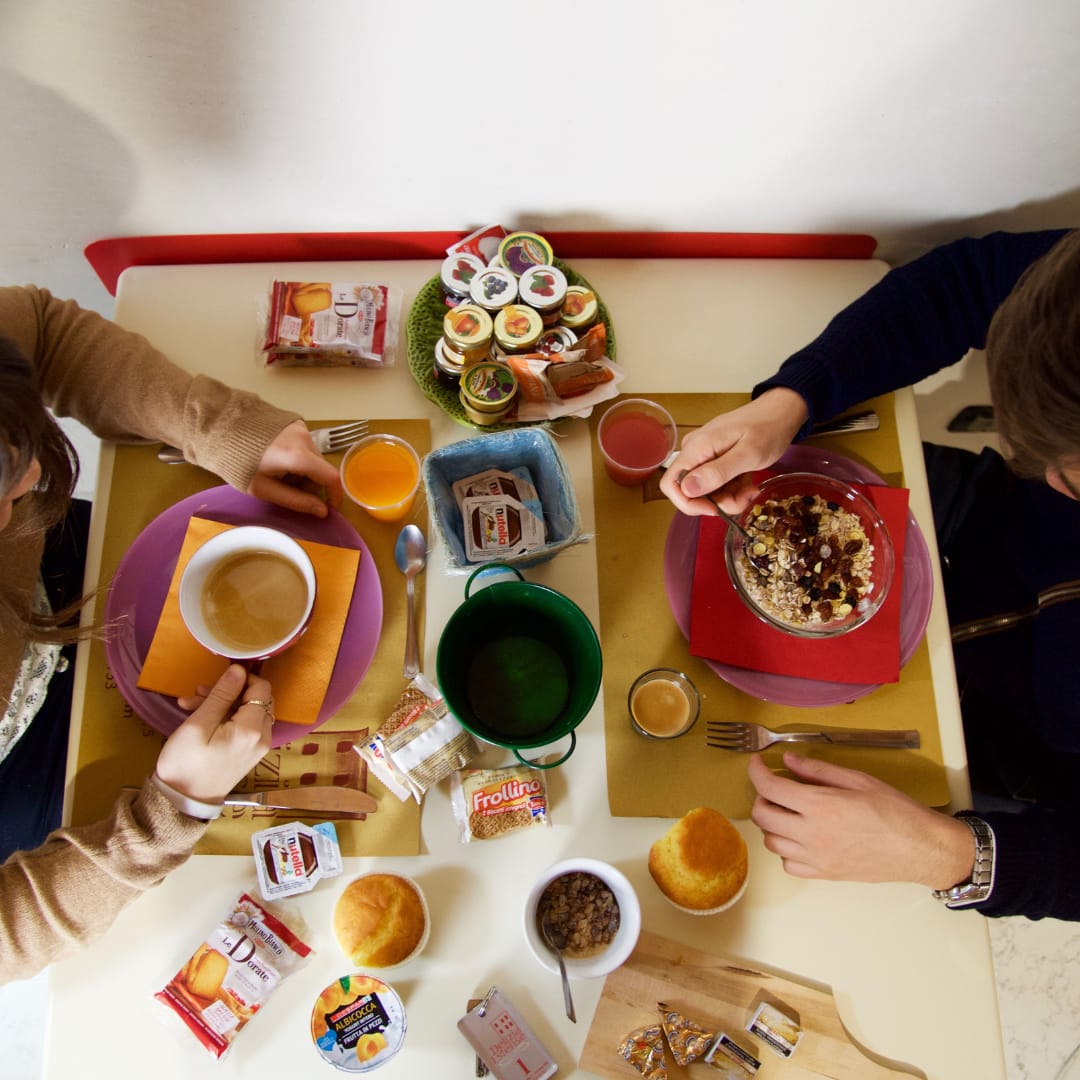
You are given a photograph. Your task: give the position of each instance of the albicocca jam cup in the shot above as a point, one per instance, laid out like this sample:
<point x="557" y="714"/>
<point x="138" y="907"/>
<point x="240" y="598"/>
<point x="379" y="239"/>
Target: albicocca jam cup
<point x="358" y="1023"/>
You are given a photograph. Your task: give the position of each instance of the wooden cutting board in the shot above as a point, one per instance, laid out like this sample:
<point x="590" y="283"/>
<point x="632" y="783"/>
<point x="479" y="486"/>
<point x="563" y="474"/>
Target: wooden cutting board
<point x="721" y="996"/>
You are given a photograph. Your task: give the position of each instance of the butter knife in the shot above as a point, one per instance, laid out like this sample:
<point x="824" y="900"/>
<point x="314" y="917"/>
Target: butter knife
<point x="306" y="800"/>
<point x="313" y="800"/>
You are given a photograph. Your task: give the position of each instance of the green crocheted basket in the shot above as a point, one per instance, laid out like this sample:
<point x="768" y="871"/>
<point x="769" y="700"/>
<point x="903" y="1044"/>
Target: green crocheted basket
<point x="424" y="327"/>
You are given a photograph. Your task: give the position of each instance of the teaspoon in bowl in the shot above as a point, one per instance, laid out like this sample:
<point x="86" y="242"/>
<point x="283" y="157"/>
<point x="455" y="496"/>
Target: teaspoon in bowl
<point x="556" y="941"/>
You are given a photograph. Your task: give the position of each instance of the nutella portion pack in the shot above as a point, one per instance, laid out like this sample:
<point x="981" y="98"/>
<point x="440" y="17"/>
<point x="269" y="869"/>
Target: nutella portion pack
<point x="501" y="512"/>
<point x="294" y="858"/>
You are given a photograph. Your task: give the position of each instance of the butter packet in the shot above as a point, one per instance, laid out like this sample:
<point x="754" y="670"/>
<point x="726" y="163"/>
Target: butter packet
<point x="778" y="1031"/>
<point x="730" y="1060"/>
<point x="233" y="972"/>
<point x="294" y="858"/>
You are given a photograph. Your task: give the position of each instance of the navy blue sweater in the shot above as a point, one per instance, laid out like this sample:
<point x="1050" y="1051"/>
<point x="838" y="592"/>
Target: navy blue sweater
<point x="918" y="319"/>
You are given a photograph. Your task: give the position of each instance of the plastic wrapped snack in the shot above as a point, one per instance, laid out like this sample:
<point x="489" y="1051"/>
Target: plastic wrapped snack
<point x="419" y="744"/>
<point x="332" y="324"/>
<point x="232" y="974"/>
<point x="493" y="802"/>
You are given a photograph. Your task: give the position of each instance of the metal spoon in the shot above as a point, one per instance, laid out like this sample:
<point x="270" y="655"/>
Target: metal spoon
<point x="410" y="554"/>
<point x="730" y="520"/>
<point x="556" y="943"/>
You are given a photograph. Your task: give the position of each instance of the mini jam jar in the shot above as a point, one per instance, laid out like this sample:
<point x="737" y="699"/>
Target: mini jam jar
<point x="488" y="391"/>
<point x="543" y="288"/>
<point x="580" y="308"/>
<point x="520" y="250"/>
<point x="493" y="289"/>
<point x="447" y="368"/>
<point x="467" y="330"/>
<point x="456" y="276"/>
<point x="556" y="340"/>
<point x="517" y="328"/>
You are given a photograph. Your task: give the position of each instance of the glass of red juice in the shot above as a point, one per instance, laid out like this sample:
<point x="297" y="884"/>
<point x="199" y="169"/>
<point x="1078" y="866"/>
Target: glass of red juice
<point x="635" y="436"/>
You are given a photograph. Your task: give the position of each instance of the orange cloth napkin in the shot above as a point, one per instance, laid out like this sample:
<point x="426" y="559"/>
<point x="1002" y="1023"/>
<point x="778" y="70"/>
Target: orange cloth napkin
<point x="176" y="663"/>
<point x="723" y="628"/>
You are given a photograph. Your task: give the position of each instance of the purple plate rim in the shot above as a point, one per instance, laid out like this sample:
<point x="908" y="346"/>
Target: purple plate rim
<point x="146" y="568"/>
<point x="680" y="550"/>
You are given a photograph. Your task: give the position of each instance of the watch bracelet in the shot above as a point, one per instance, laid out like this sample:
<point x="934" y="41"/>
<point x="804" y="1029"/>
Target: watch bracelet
<point x="981" y="883"/>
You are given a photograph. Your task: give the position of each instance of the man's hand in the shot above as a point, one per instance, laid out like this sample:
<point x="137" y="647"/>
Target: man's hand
<point x="719" y="456"/>
<point x="844" y="825"/>
<point x="293" y="454"/>
<point x="222" y="740"/>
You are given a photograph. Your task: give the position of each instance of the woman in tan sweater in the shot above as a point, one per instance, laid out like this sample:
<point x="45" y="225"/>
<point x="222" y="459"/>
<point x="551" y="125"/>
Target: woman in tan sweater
<point x="68" y="888"/>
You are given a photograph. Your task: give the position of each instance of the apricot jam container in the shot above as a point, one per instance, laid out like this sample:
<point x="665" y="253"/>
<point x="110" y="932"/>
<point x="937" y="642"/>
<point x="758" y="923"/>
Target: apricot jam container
<point x="517" y="328"/>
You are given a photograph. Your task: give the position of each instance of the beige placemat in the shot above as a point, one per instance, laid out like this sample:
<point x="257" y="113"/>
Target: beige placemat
<point x="665" y="779"/>
<point x="117" y="749"/>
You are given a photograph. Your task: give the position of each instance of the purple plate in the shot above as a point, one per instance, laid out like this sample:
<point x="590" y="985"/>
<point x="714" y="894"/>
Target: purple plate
<point x="916" y="593"/>
<point x="141" y="584"/>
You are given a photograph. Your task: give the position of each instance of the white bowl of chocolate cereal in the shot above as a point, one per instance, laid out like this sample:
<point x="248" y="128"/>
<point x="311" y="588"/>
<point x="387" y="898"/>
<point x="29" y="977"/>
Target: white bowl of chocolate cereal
<point x="590" y="904"/>
<point x="819" y="561"/>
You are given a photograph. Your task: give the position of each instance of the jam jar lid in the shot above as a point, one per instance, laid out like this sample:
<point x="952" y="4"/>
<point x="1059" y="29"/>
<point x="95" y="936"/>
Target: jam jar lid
<point x="467" y="327"/>
<point x="489" y="386"/>
<point x="580" y="307"/>
<point x="517" y="327"/>
<point x="520" y="250"/>
<point x="542" y="287"/>
<point x="458" y="271"/>
<point x="494" y="288"/>
<point x="555" y="340"/>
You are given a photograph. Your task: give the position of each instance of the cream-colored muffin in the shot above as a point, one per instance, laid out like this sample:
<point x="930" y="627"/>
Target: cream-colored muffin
<point x="700" y="863"/>
<point x="380" y="920"/>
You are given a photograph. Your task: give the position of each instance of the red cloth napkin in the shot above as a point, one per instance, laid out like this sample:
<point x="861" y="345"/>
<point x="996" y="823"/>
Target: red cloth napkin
<point x="723" y="628"/>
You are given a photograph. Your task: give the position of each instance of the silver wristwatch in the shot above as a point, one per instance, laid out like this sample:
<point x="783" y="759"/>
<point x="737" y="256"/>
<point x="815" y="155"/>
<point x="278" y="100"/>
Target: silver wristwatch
<point x="981" y="883"/>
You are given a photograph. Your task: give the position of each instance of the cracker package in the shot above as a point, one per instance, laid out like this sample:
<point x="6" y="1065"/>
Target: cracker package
<point x="331" y="324"/>
<point x="232" y="974"/>
<point x="493" y="802"/>
<point x="419" y="744"/>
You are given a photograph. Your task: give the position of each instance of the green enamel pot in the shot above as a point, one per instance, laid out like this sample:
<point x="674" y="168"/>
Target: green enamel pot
<point x="519" y="664"/>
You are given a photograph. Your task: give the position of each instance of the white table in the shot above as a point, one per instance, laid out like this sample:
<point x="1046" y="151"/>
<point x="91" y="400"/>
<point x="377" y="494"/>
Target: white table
<point x="914" y="982"/>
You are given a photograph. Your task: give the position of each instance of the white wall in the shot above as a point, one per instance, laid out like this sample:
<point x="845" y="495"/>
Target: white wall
<point x="915" y="121"/>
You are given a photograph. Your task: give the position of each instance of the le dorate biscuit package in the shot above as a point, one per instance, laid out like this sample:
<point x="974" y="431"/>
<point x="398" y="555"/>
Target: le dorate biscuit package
<point x="331" y="324"/>
<point x="294" y="858"/>
<point x="492" y="802"/>
<point x="233" y="972"/>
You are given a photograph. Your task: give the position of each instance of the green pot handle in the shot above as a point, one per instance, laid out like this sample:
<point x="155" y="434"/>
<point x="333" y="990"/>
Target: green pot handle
<point x="491" y="566"/>
<point x="551" y="765"/>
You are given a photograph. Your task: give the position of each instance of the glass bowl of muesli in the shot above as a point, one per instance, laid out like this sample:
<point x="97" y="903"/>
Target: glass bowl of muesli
<point x="821" y="560"/>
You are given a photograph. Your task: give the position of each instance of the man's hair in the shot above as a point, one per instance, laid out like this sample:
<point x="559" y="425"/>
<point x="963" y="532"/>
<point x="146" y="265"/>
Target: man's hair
<point x="27" y="431"/>
<point x="1033" y="358"/>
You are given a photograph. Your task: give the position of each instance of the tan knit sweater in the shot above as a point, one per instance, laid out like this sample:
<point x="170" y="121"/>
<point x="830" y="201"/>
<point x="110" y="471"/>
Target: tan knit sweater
<point x="122" y="389"/>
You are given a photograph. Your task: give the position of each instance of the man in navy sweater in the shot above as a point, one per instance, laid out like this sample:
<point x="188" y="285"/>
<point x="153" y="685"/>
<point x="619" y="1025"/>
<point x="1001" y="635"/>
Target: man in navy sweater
<point x="1009" y="538"/>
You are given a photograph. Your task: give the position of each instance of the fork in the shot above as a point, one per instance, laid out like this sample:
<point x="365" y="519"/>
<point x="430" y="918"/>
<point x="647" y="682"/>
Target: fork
<point x="747" y="738"/>
<point x="326" y="440"/>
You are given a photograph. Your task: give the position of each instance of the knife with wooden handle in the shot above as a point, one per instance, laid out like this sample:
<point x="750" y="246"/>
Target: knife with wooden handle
<point x="312" y="800"/>
<point x="307" y="800"/>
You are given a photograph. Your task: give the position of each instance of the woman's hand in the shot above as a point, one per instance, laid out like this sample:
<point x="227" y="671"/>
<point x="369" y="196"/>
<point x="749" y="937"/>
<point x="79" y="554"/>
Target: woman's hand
<point x="293" y="454"/>
<point x="844" y="825"/>
<point x="222" y="740"/>
<point x="719" y="457"/>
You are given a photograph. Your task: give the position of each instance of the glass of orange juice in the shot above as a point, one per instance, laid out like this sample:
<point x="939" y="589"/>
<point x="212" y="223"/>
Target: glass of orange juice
<point x="381" y="474"/>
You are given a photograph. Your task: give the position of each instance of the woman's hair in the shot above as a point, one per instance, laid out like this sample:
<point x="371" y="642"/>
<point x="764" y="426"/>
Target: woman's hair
<point x="1033" y="358"/>
<point x="27" y="431"/>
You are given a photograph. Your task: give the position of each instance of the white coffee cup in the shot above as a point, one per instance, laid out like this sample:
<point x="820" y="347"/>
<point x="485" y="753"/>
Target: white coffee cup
<point x="247" y="593"/>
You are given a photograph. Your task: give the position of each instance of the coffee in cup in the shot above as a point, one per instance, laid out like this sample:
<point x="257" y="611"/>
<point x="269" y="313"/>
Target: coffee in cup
<point x="247" y="593"/>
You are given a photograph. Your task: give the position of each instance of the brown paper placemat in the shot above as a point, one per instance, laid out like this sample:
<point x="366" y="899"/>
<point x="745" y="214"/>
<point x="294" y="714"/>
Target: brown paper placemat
<point x="665" y="779"/>
<point x="117" y="749"/>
